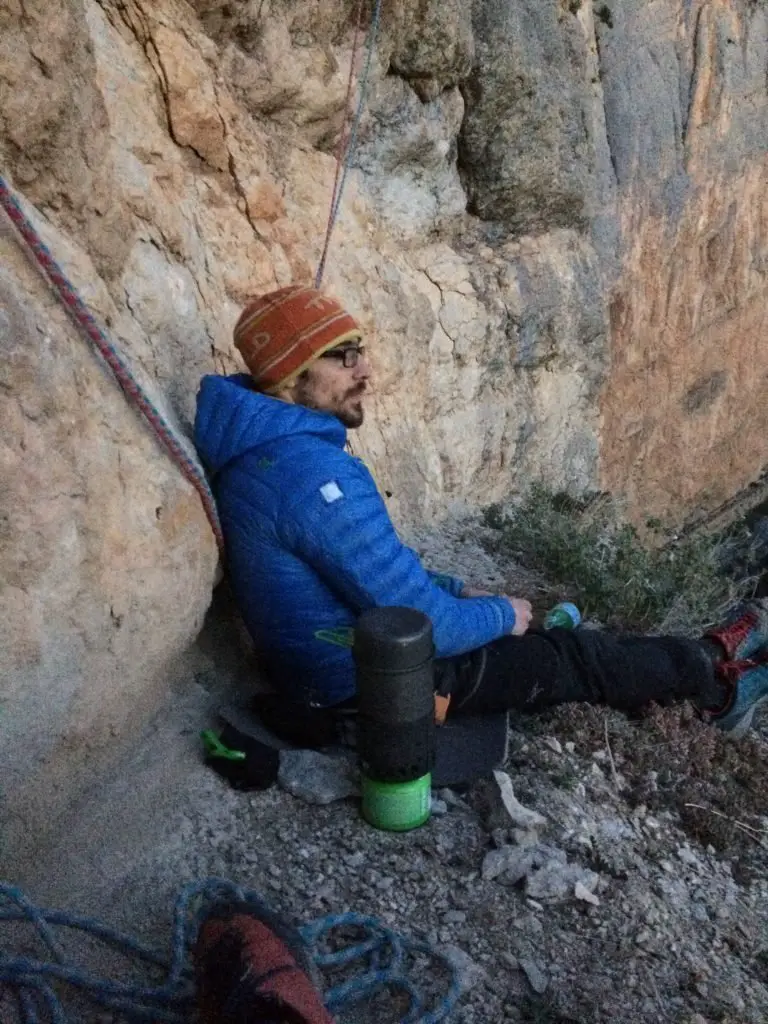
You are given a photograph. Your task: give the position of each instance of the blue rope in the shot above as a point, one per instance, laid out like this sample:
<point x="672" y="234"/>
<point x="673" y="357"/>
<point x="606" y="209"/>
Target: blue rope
<point x="379" y="959"/>
<point x="352" y="146"/>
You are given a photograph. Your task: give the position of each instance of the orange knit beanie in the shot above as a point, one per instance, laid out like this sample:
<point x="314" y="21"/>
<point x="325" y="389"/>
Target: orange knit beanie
<point x="280" y="334"/>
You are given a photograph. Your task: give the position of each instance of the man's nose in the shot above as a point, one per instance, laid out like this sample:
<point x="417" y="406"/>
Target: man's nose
<point x="362" y="370"/>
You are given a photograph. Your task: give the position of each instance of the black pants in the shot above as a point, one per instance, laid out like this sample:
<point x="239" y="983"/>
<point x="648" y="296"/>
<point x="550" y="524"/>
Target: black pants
<point x="541" y="669"/>
<point x="533" y="672"/>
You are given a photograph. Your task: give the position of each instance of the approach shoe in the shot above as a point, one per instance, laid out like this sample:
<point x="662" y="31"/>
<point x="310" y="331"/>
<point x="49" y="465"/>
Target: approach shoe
<point x="749" y="681"/>
<point x="744" y="631"/>
<point x="251" y="967"/>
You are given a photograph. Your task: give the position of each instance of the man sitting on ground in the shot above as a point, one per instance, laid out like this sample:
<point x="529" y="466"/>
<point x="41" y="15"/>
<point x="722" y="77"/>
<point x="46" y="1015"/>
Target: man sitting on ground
<point x="310" y="546"/>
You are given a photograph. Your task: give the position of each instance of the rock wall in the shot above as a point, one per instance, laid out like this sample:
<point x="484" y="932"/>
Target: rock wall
<point x="555" y="235"/>
<point x="684" y="417"/>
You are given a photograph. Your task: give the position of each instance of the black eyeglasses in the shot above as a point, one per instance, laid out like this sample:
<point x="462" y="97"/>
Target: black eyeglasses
<point x="349" y="356"/>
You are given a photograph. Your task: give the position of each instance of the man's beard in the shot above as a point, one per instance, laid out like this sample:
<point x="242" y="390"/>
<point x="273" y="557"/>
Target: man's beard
<point x="350" y="413"/>
<point x="352" y="417"/>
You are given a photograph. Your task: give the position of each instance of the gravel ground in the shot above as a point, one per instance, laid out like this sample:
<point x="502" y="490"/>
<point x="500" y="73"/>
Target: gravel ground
<point x="604" y="911"/>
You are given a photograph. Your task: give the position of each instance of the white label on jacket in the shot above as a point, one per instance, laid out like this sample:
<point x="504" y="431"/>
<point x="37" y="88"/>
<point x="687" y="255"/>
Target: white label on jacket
<point x="331" y="492"/>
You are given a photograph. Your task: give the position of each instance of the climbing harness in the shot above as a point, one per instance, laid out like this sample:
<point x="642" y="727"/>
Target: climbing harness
<point x="378" y="959"/>
<point x="348" y="141"/>
<point x="87" y="324"/>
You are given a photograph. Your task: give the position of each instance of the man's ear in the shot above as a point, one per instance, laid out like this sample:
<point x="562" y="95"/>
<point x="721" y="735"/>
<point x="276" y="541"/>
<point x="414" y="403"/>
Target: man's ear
<point x="290" y="392"/>
<point x="286" y="394"/>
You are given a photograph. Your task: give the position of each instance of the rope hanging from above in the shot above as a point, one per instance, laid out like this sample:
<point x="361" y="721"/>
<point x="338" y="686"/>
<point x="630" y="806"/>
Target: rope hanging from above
<point x="348" y="143"/>
<point x="88" y="326"/>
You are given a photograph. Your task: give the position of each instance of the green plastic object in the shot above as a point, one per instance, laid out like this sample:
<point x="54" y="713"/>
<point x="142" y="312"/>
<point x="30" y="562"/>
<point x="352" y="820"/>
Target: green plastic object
<point x="397" y="806"/>
<point x="215" y="748"/>
<point x="564" y="615"/>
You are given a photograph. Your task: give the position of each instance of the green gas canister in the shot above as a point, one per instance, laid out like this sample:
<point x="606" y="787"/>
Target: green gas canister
<point x="394" y="651"/>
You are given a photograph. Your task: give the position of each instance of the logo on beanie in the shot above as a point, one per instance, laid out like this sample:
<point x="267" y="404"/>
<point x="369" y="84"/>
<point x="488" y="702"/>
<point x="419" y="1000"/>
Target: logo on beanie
<point x="257" y="341"/>
<point x="319" y="301"/>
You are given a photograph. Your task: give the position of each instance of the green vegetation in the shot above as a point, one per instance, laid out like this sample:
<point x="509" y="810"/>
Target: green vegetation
<point x="590" y="554"/>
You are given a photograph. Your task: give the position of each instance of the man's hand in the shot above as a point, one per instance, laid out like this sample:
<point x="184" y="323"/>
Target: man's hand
<point x="523" y="611"/>
<point x="523" y="614"/>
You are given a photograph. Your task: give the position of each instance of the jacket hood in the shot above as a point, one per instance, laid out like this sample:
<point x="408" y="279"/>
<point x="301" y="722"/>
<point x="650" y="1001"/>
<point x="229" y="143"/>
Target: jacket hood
<point x="233" y="419"/>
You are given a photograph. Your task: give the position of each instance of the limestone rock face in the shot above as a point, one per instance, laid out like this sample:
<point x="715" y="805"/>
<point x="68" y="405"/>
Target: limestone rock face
<point x="526" y="145"/>
<point x="435" y="46"/>
<point x="683" y="407"/>
<point x="106" y="557"/>
<point x="555" y="234"/>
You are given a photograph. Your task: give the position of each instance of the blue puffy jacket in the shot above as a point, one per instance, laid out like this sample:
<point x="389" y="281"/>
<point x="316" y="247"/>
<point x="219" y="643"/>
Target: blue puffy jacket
<point x="310" y="544"/>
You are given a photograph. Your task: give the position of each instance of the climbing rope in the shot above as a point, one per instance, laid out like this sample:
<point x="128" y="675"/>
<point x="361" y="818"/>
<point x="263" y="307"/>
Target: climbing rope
<point x="342" y="144"/>
<point x="384" y="955"/>
<point x="348" y="143"/>
<point x="377" y="960"/>
<point x="87" y="324"/>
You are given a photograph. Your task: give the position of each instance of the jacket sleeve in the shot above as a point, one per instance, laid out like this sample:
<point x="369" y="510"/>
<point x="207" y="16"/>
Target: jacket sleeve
<point x="450" y="584"/>
<point x="342" y="529"/>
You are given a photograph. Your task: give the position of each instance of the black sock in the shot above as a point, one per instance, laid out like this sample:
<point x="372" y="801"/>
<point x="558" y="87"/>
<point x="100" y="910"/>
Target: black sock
<point x="714" y="649"/>
<point x="717" y="695"/>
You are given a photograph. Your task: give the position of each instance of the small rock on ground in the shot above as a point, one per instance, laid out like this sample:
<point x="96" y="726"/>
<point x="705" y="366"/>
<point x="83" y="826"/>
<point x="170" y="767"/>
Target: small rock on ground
<point x="316" y="778"/>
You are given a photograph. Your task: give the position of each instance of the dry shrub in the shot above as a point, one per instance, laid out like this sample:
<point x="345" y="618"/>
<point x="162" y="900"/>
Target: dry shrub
<point x="672" y="759"/>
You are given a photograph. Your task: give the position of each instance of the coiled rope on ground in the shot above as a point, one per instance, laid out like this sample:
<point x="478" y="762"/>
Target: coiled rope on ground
<point x="377" y="959"/>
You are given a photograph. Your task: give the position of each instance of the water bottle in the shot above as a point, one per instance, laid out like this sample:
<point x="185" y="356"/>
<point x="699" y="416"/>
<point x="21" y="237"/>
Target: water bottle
<point x="393" y="651"/>
<point x="564" y="615"/>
